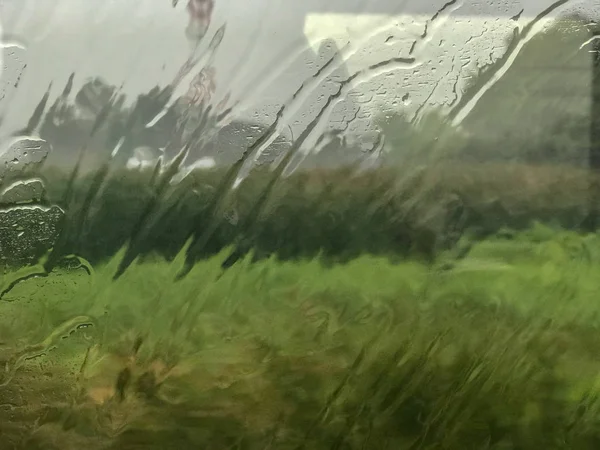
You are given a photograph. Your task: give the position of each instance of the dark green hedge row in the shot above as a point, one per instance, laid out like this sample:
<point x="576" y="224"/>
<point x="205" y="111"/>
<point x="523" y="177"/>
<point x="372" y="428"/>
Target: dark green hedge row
<point x="305" y="215"/>
<point x="336" y="213"/>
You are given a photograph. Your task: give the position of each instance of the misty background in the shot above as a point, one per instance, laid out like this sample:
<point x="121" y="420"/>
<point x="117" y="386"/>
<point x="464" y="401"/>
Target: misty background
<point x="499" y="70"/>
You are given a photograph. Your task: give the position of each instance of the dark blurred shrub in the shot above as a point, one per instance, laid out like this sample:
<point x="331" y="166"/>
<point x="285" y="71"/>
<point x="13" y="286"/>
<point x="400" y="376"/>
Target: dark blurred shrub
<point x="338" y="213"/>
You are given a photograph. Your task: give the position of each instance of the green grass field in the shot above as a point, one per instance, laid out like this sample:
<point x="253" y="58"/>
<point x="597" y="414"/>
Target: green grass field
<point x="498" y="349"/>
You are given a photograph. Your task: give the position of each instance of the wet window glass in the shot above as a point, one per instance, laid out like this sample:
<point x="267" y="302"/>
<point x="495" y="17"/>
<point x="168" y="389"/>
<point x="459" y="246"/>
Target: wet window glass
<point x="326" y="224"/>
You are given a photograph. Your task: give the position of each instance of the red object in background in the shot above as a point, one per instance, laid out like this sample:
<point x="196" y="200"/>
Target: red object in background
<point x="201" y="88"/>
<point x="200" y="12"/>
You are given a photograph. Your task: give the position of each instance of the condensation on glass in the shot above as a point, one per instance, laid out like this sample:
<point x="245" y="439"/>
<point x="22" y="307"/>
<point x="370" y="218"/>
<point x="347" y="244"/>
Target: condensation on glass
<point x="323" y="224"/>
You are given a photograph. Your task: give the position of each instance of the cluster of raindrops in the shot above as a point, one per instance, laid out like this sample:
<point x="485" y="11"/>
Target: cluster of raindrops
<point x="28" y="225"/>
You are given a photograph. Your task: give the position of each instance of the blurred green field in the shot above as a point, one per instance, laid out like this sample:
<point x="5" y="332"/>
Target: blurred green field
<point x="493" y="345"/>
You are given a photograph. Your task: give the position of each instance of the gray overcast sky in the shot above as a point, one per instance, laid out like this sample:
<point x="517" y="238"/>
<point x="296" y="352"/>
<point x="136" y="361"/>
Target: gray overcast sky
<point x="142" y="42"/>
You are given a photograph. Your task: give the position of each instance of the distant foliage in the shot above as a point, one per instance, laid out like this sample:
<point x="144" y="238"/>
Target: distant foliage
<point x="335" y="213"/>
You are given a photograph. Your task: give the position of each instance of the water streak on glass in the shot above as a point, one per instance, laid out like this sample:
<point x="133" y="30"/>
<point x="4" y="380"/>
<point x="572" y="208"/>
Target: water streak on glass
<point x="307" y="225"/>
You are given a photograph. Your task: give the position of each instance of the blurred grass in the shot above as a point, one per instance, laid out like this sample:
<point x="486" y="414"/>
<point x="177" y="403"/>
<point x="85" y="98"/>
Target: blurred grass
<point x="494" y="349"/>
